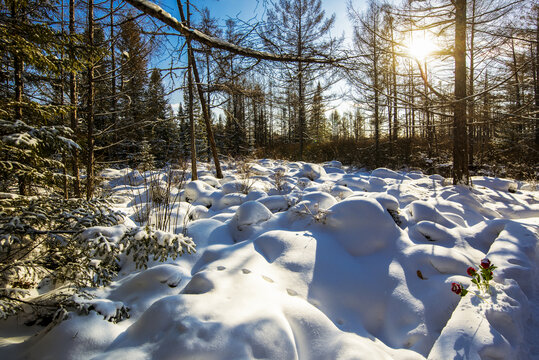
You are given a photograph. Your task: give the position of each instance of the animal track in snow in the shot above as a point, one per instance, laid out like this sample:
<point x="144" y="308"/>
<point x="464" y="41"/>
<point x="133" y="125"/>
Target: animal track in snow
<point x="291" y="292"/>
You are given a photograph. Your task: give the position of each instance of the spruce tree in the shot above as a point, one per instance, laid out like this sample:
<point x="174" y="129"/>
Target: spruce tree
<point x="317" y="124"/>
<point x="133" y="82"/>
<point x="164" y="136"/>
<point x="32" y="136"/>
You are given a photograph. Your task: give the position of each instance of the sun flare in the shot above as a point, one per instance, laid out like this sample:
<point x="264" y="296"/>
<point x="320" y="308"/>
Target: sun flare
<point x="421" y="46"/>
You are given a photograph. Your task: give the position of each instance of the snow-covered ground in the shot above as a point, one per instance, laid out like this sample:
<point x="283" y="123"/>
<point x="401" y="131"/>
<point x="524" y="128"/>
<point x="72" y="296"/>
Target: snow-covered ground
<point x="305" y="261"/>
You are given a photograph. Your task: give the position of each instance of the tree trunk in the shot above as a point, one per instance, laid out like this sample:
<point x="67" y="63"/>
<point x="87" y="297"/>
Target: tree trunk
<point x="471" y="104"/>
<point x="395" y="96"/>
<point x="18" y="68"/>
<point x="429" y="122"/>
<point x="208" y="93"/>
<point x="376" y="99"/>
<point x="537" y="81"/>
<point x="194" y="175"/>
<point x="301" y="89"/>
<point x="301" y="110"/>
<point x="389" y="114"/>
<point x="91" y="111"/>
<point x="460" y="143"/>
<point x="518" y="100"/>
<point x="62" y="100"/>
<point x="113" y="75"/>
<point x="202" y="100"/>
<point x="73" y="98"/>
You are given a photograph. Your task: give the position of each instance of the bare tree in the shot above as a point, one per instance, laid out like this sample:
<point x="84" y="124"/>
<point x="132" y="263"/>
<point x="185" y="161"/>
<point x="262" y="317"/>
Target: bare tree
<point x="300" y="27"/>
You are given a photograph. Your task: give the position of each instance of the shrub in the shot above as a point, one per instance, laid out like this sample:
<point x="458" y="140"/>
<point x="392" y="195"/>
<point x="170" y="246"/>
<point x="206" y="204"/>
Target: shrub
<point x="59" y="247"/>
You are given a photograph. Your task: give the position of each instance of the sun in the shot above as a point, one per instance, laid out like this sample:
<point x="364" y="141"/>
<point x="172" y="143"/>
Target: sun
<point x="420" y="46"/>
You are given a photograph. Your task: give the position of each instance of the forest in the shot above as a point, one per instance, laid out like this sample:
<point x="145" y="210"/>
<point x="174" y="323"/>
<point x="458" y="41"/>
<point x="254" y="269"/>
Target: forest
<point x="79" y="92"/>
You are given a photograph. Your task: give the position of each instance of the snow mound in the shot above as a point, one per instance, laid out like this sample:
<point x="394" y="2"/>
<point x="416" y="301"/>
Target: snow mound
<point x="248" y="219"/>
<point x="311" y="171"/>
<point x="495" y="183"/>
<point x="388" y="174"/>
<point x="199" y="191"/>
<point x="362" y="226"/>
<point x="275" y="203"/>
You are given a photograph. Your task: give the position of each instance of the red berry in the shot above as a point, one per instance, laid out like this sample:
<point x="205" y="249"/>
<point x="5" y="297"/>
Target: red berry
<point x="471" y="271"/>
<point x="485" y="263"/>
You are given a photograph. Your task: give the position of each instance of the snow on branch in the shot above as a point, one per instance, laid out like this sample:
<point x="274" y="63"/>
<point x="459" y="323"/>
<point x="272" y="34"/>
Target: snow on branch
<point x="157" y="12"/>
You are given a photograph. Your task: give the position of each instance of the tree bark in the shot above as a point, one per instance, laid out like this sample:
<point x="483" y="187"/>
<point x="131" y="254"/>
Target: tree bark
<point x="18" y="68"/>
<point x="376" y="96"/>
<point x="73" y="98"/>
<point x="460" y="138"/>
<point x="91" y="111"/>
<point x="518" y="103"/>
<point x="62" y="103"/>
<point x="194" y="174"/>
<point x="471" y="104"/>
<point x="537" y="80"/>
<point x="395" y="95"/>
<point x="301" y="109"/>
<point x="113" y="74"/>
<point x="208" y="93"/>
<point x="202" y="100"/>
<point x="301" y="88"/>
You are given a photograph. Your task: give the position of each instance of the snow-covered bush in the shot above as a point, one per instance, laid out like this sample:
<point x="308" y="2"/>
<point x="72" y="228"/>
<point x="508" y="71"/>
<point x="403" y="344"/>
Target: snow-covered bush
<point x="29" y="155"/>
<point x="52" y="248"/>
<point x="141" y="242"/>
<point x="37" y="242"/>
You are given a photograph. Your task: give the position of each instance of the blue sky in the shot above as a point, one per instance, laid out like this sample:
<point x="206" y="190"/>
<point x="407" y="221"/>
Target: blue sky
<point x="253" y="10"/>
<point x="248" y="9"/>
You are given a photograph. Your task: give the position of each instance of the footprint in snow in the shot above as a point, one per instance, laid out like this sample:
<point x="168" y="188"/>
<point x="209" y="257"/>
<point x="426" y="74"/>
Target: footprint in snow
<point x="246" y="271"/>
<point x="268" y="279"/>
<point x="291" y="292"/>
<point x="221" y="268"/>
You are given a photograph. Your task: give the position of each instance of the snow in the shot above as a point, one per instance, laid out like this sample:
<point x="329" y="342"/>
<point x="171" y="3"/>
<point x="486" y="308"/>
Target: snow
<point x="325" y="263"/>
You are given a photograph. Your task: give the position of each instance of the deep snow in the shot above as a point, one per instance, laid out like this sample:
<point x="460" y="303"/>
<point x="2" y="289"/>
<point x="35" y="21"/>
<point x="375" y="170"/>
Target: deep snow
<point x="307" y="261"/>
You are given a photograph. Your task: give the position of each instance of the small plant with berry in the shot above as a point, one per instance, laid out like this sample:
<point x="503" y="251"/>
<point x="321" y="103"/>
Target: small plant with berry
<point x="481" y="278"/>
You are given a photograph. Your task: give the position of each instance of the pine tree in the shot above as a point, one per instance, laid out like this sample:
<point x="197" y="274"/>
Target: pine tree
<point x="31" y="132"/>
<point x="317" y="124"/>
<point x="183" y="123"/>
<point x="164" y="137"/>
<point x="335" y="122"/>
<point x="133" y="84"/>
<point x="358" y="125"/>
